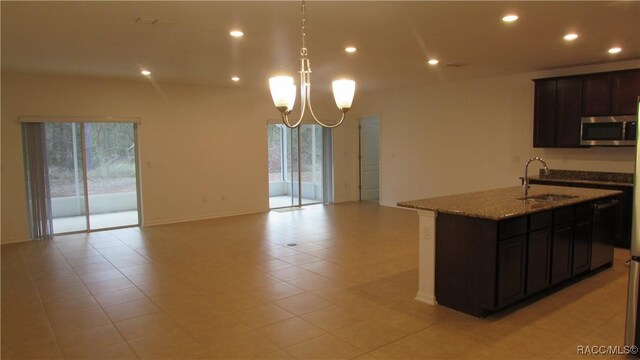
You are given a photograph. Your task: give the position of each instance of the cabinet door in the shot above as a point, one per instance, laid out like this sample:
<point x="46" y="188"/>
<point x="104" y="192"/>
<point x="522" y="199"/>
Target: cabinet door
<point x="625" y="92"/>
<point x="511" y="270"/>
<point x="597" y="95"/>
<point x="582" y="246"/>
<point x="561" y="252"/>
<point x="538" y="260"/>
<point x="568" y="112"/>
<point x="544" y="117"/>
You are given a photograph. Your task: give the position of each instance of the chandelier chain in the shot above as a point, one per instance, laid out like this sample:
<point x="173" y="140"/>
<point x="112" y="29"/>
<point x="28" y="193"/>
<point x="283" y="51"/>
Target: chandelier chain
<point x="303" y="50"/>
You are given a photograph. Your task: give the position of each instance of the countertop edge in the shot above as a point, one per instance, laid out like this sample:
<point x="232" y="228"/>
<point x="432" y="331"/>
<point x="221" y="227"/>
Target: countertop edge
<point x="480" y="215"/>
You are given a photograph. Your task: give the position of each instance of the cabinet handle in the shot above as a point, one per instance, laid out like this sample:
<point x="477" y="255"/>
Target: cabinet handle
<point x="605" y="205"/>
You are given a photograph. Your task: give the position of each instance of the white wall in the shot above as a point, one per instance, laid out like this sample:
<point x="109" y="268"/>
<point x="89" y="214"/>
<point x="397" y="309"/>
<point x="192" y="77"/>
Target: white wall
<point x="471" y="135"/>
<point x="196" y="142"/>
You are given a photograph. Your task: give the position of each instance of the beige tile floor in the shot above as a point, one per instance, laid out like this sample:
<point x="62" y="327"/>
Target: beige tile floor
<point x="232" y="288"/>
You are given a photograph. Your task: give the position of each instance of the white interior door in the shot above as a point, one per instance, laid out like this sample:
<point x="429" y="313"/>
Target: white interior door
<point x="369" y="158"/>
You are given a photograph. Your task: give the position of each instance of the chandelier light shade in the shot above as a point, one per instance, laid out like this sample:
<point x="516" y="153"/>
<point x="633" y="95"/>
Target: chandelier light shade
<point x="283" y="89"/>
<point x="283" y="92"/>
<point x="343" y="91"/>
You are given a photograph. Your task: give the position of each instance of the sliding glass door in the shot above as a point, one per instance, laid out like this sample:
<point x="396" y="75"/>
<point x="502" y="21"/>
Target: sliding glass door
<point x="64" y="158"/>
<point x="111" y="174"/>
<point x="93" y="175"/>
<point x="297" y="164"/>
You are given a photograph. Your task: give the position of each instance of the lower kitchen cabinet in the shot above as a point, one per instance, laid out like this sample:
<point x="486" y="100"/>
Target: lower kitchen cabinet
<point x="622" y="235"/>
<point x="582" y="235"/>
<point x="538" y="260"/>
<point x="511" y="269"/>
<point x="483" y="266"/>
<point x="561" y="252"/>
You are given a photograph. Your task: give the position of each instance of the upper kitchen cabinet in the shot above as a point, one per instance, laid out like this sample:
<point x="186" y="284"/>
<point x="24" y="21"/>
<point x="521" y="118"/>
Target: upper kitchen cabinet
<point x="597" y="95"/>
<point x="544" y="118"/>
<point x="611" y="93"/>
<point x="568" y="112"/>
<point x="557" y="112"/>
<point x="560" y="103"/>
<point x="625" y="92"/>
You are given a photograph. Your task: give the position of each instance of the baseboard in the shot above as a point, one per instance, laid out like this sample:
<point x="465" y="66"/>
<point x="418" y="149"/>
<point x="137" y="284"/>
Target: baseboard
<point x="200" y="218"/>
<point x="345" y="200"/>
<point x="14" y="241"/>
<point x="426" y="298"/>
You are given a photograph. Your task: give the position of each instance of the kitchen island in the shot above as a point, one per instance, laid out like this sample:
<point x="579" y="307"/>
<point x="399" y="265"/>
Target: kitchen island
<point x="598" y="180"/>
<point x="482" y="251"/>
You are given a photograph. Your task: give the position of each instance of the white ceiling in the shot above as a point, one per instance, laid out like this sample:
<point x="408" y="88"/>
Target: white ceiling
<point x="394" y="39"/>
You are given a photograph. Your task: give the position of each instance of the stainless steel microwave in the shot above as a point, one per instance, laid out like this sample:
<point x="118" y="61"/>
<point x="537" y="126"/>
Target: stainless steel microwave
<point x="608" y="130"/>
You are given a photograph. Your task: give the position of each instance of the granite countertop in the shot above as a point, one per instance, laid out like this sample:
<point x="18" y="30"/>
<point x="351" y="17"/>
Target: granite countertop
<point x="586" y="177"/>
<point x="503" y="203"/>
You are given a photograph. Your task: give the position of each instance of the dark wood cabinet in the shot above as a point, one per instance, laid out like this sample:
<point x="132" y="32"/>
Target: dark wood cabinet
<point x="511" y="270"/>
<point x="625" y="92"/>
<point x="568" y="112"/>
<point x="561" y="252"/>
<point x="538" y="260"/>
<point x="561" y="102"/>
<point x="611" y="93"/>
<point x="558" y="108"/>
<point x="622" y="233"/>
<point x="596" y="91"/>
<point x="544" y="120"/>
<point x="483" y="265"/>
<point x="582" y="233"/>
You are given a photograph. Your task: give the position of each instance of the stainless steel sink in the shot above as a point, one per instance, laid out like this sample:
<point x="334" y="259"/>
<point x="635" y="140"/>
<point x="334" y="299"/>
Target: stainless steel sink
<point x="548" y="197"/>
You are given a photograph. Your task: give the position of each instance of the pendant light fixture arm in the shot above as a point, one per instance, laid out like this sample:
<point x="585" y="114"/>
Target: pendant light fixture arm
<point x="305" y="84"/>
<point x="308" y="86"/>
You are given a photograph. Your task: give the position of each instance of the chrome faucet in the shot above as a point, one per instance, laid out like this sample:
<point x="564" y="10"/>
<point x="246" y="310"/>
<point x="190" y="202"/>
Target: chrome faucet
<point x="525" y="179"/>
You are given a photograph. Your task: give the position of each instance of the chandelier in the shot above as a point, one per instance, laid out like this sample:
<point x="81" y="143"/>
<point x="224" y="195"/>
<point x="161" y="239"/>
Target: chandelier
<point x="283" y="90"/>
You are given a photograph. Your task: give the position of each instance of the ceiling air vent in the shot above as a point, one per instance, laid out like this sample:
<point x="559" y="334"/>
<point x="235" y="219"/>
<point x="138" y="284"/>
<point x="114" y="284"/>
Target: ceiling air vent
<point x="150" y="20"/>
<point x="456" y="65"/>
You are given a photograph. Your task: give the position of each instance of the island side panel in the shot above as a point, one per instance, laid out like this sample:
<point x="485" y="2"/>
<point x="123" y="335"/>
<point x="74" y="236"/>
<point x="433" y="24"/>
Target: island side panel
<point x="427" y="257"/>
<point x="466" y="251"/>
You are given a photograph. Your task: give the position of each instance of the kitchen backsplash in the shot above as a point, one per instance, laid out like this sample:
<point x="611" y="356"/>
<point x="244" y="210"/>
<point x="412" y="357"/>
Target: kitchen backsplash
<point x="588" y="175"/>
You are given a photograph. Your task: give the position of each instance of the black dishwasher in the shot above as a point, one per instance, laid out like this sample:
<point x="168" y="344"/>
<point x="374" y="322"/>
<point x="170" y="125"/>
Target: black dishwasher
<point x="605" y="218"/>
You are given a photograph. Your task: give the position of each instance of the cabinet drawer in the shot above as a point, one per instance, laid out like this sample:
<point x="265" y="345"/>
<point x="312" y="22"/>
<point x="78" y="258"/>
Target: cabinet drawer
<point x="540" y="220"/>
<point x="563" y="215"/>
<point x="512" y="227"/>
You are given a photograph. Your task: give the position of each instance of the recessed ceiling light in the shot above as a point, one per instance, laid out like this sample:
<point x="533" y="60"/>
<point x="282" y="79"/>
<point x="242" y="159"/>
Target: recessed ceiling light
<point x="145" y="72"/>
<point x="433" y="62"/>
<point x="235" y="78"/>
<point x="570" y="37"/>
<point x="236" y="33"/>
<point x="615" y="50"/>
<point x="510" y="18"/>
<point x="350" y="49"/>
